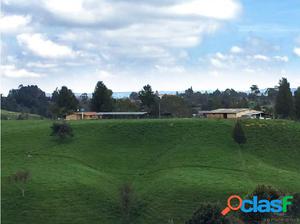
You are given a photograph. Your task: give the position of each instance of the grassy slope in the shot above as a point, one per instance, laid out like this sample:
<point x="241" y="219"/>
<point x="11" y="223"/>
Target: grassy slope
<point x="11" y="115"/>
<point x="173" y="165"/>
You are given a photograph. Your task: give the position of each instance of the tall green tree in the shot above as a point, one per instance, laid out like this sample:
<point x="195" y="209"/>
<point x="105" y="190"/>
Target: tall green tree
<point x="63" y="102"/>
<point x="175" y="105"/>
<point x="125" y="105"/>
<point x="102" y="98"/>
<point x="297" y="103"/>
<point x="149" y="99"/>
<point x="238" y="133"/>
<point x="255" y="90"/>
<point x="284" y="100"/>
<point x="134" y="96"/>
<point x="84" y="102"/>
<point x="30" y="99"/>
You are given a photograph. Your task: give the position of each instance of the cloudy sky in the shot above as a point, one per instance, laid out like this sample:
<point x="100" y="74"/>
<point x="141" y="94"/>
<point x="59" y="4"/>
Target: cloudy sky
<point x="170" y="44"/>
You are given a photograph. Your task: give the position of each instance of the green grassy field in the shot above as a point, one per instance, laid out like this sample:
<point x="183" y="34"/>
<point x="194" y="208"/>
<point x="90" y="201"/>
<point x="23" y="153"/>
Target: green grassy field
<point x="173" y="166"/>
<point x="10" y="115"/>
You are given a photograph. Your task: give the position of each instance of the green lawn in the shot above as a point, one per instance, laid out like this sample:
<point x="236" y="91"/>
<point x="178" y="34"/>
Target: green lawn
<point x="173" y="165"/>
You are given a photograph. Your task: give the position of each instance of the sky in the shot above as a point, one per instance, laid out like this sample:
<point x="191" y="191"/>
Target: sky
<point x="169" y="44"/>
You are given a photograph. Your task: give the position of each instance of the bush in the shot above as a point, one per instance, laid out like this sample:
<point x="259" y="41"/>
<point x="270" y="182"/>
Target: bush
<point x="294" y="210"/>
<point x="61" y="130"/>
<point x="4" y="117"/>
<point x="20" y="179"/>
<point x="127" y="201"/>
<point x="239" y="134"/>
<point x="208" y="213"/>
<point x="23" y="116"/>
<point x="262" y="192"/>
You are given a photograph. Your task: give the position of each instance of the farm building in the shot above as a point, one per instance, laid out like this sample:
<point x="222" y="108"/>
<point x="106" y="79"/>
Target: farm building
<point x="232" y="113"/>
<point x="82" y="116"/>
<point x="104" y="115"/>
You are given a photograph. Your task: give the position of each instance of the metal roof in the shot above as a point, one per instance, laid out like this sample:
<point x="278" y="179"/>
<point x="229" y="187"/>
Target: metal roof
<point x="229" y="111"/>
<point x="253" y="113"/>
<point x="86" y="113"/>
<point x="121" y="113"/>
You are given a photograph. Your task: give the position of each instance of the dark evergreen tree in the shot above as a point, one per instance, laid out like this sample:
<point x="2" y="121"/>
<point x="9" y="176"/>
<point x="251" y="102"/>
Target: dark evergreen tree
<point x="271" y="93"/>
<point x="297" y="103"/>
<point x="126" y="105"/>
<point x="255" y="90"/>
<point x="63" y="102"/>
<point x="84" y="102"/>
<point x="174" y="106"/>
<point x="239" y="134"/>
<point x="102" y="98"/>
<point x="149" y="100"/>
<point x="134" y="96"/>
<point x="27" y="99"/>
<point x="284" y="100"/>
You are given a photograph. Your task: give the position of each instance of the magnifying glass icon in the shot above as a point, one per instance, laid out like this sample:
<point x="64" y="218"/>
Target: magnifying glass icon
<point x="230" y="207"/>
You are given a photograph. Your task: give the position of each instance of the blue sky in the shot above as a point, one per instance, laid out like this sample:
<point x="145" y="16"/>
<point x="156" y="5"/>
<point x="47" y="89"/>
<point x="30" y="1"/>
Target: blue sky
<point x="170" y="44"/>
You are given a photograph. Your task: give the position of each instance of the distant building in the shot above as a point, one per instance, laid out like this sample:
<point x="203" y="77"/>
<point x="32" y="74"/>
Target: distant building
<point x="104" y="115"/>
<point x="232" y="113"/>
<point x="82" y="116"/>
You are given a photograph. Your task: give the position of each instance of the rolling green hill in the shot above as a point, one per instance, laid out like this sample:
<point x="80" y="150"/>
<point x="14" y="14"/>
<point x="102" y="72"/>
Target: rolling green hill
<point x="11" y="115"/>
<point x="172" y="165"/>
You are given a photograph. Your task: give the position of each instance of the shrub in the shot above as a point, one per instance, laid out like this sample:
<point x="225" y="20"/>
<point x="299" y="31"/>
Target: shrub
<point x="239" y="134"/>
<point x="262" y="192"/>
<point x="295" y="207"/>
<point x="208" y="213"/>
<point x="23" y="116"/>
<point x="4" y="117"/>
<point x="127" y="202"/>
<point x="61" y="130"/>
<point x="20" y="179"/>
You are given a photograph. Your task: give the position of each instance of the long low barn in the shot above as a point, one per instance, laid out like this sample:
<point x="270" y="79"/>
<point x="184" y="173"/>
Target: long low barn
<point x="103" y="115"/>
<point x="232" y="113"/>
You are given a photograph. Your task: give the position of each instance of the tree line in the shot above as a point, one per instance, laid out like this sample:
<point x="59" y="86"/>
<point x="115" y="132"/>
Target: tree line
<point x="278" y="101"/>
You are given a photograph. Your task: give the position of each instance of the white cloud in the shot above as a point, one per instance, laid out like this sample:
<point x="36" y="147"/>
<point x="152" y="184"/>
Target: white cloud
<point x="215" y="74"/>
<point x="169" y="33"/>
<point x="88" y="12"/>
<point x="220" y="56"/>
<point x="11" y="71"/>
<point x="43" y="47"/>
<point x="218" y="9"/>
<point x="236" y="50"/>
<point x="297" y="51"/>
<point x="249" y="70"/>
<point x="13" y="23"/>
<point x="80" y="11"/>
<point x="261" y="57"/>
<point x="281" y="58"/>
<point x="40" y="65"/>
<point x="217" y="63"/>
<point x="103" y="74"/>
<point x="158" y="30"/>
<point x="172" y="70"/>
